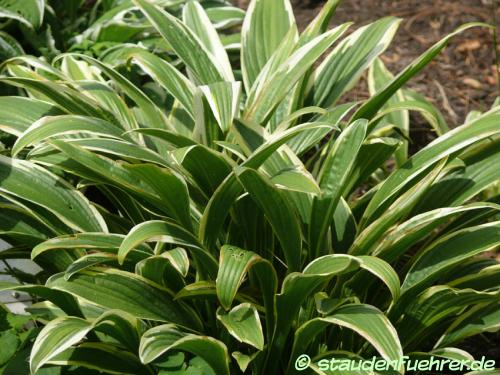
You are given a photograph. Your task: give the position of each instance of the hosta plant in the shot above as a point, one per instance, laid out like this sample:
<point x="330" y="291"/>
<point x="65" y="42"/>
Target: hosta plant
<point x="245" y="214"/>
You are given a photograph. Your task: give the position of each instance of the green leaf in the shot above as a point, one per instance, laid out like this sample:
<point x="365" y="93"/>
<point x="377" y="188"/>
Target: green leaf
<point x="365" y="320"/>
<point x="447" y="353"/>
<point x="243" y="323"/>
<point x="68" y="99"/>
<point x="155" y="117"/>
<point x="344" y="229"/>
<point x="89" y="241"/>
<point x="320" y="22"/>
<point x="63" y="300"/>
<point x="462" y="184"/>
<point x="207" y="167"/>
<point x="223" y="99"/>
<point x="168" y="136"/>
<point x="110" y="100"/>
<point x="9" y="47"/>
<point x="101" y="357"/>
<point x="29" y="12"/>
<point x="89" y="261"/>
<point x="234" y="264"/>
<point x="145" y="180"/>
<point x="400" y="208"/>
<point x="332" y="178"/>
<point x="344" y="65"/>
<point x="453" y="141"/>
<point x="486" y="278"/>
<point x="46" y="153"/>
<point x="121" y="326"/>
<point x="114" y="289"/>
<point x="63" y="332"/>
<point x="243" y="360"/>
<point x="383" y="271"/>
<point x="307" y="140"/>
<point x="167" y="232"/>
<point x="225" y="16"/>
<point x="295" y="180"/>
<point x="168" y="77"/>
<point x="179" y="260"/>
<point x="10" y="343"/>
<point x="449" y="251"/>
<point x="394" y="112"/>
<point x="434" y="306"/>
<point x="295" y="116"/>
<point x="31" y="66"/>
<point x="371" y="156"/>
<point x="266" y="23"/>
<point x="55" y="337"/>
<point x="278" y="211"/>
<point x="162" y="339"/>
<point x="372" y="106"/>
<point x="431" y="114"/>
<point x="282" y="53"/>
<point x="160" y="270"/>
<point x="197" y="289"/>
<point x="269" y="144"/>
<point x="184" y="42"/>
<point x="18" y="113"/>
<point x="35" y="184"/>
<point x="195" y="17"/>
<point x="298" y="286"/>
<point x="483" y="318"/>
<point x="77" y="70"/>
<point x="48" y="127"/>
<point x="260" y="103"/>
<point x="225" y="195"/>
<point x="14" y="220"/>
<point x="217" y="210"/>
<point x="399" y="239"/>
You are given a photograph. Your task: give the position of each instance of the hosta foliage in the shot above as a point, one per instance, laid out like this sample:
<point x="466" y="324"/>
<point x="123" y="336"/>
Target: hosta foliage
<point x="214" y="207"/>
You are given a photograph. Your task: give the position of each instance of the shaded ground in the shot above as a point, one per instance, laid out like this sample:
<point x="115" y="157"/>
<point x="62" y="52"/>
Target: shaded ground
<point x="461" y="79"/>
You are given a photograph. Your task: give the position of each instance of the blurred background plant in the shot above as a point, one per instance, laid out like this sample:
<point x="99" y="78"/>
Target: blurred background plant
<point x="48" y="27"/>
<point x="224" y="196"/>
